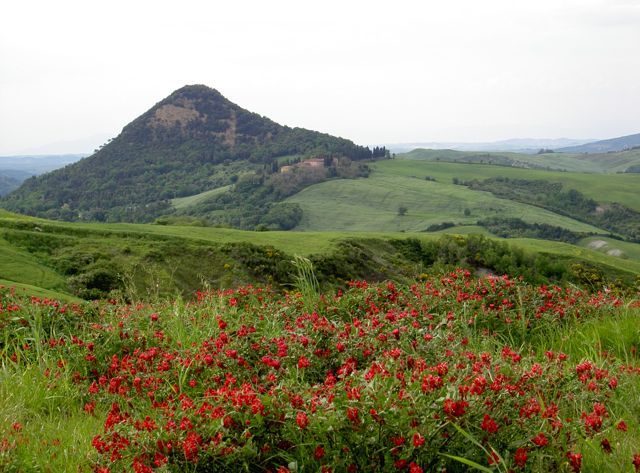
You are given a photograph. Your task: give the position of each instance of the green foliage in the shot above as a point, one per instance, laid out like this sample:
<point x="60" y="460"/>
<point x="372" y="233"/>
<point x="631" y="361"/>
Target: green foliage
<point x="517" y="228"/>
<point x="112" y="260"/>
<point x="283" y="216"/>
<point x="436" y="227"/>
<point x="549" y="195"/>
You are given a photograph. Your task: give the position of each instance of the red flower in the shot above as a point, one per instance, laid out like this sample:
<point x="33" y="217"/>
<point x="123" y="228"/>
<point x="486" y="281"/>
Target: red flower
<point x="521" y="457"/>
<point x="353" y="415"/>
<point x="418" y="440"/>
<point x="636" y="461"/>
<point x="489" y="425"/>
<point x="540" y="440"/>
<point x="319" y="453"/>
<point x="414" y="468"/>
<point x="455" y="408"/>
<point x="302" y="420"/>
<point x="401" y="464"/>
<point x="575" y="460"/>
<point x="622" y="425"/>
<point x="303" y="362"/>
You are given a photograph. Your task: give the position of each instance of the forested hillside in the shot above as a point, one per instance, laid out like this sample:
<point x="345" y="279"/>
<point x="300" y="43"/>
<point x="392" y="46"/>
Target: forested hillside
<point x="193" y="141"/>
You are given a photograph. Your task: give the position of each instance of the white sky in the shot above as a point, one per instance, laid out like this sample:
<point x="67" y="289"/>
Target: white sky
<point x="372" y="71"/>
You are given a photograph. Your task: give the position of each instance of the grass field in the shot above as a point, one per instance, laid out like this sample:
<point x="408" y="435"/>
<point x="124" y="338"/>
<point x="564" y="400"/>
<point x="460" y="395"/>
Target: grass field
<point x="372" y="205"/>
<point x="596" y="163"/>
<point x="21" y="267"/>
<point x="28" y="289"/>
<point x="613" y="247"/>
<point x="184" y="202"/>
<point x="622" y="188"/>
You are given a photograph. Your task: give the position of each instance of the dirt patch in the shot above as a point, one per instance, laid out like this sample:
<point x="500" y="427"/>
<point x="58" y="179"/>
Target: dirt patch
<point x="168" y="115"/>
<point x="597" y="244"/>
<point x="616" y="252"/>
<point x="230" y="134"/>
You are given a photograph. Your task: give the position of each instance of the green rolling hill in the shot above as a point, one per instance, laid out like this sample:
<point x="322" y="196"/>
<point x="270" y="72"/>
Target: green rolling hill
<point x="608" y="162"/>
<point x="77" y="260"/>
<point x="372" y="205"/>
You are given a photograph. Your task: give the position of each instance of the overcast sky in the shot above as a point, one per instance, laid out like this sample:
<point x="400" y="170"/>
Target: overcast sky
<point x="372" y="71"/>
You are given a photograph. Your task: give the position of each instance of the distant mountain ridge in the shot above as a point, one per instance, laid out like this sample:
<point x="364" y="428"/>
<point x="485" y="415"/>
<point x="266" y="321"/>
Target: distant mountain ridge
<point x="621" y="143"/>
<point x="15" y="169"/>
<point x="521" y="145"/>
<point x="192" y="141"/>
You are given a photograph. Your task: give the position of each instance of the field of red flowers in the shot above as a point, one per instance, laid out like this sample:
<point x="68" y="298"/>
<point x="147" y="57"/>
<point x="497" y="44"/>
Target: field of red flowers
<point x="450" y="374"/>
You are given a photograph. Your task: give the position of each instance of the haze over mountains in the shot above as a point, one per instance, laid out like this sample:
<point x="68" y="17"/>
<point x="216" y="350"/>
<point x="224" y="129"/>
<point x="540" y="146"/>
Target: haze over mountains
<point x="605" y="146"/>
<point x="15" y="169"/>
<point x="521" y="145"/>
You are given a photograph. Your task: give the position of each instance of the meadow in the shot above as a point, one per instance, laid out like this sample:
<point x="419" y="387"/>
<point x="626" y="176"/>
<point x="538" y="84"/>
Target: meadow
<point x="603" y="187"/>
<point x="372" y="204"/>
<point x="607" y="163"/>
<point x="91" y="260"/>
<point x="449" y="373"/>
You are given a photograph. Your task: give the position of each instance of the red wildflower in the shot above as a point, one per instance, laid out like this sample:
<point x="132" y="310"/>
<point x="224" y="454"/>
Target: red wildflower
<point x="418" y="440"/>
<point x="622" y="425"/>
<point x="415" y="468"/>
<point x="636" y="461"/>
<point x="401" y="464"/>
<point x="353" y="415"/>
<point x="521" y="457"/>
<point x="489" y="425"/>
<point x="455" y="408"/>
<point x="319" y="453"/>
<point x="140" y="467"/>
<point x="540" y="440"/>
<point x="302" y="420"/>
<point x="575" y="460"/>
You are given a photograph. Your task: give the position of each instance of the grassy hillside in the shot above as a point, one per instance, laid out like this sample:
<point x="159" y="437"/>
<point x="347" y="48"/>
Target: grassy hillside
<point x="372" y="204"/>
<point x="622" y="188"/>
<point x="617" y="162"/>
<point x="184" y="202"/>
<point x="149" y="261"/>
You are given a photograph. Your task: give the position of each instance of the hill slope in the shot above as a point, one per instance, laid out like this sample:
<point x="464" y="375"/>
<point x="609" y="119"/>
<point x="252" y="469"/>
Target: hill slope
<point x="184" y="145"/>
<point x="612" y="162"/>
<point x="90" y="260"/>
<point x="605" y="146"/>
